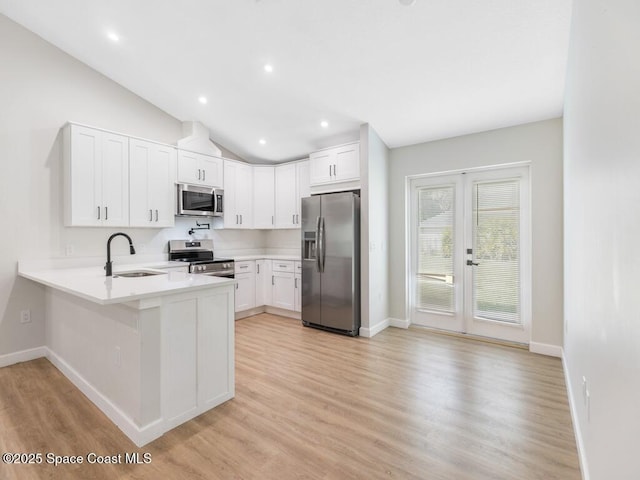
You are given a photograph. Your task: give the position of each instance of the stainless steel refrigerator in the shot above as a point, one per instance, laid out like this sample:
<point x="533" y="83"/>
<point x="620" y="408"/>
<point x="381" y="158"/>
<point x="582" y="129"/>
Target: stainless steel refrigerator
<point x="331" y="262"/>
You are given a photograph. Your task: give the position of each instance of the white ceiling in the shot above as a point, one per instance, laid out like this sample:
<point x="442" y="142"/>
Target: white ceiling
<point x="437" y="69"/>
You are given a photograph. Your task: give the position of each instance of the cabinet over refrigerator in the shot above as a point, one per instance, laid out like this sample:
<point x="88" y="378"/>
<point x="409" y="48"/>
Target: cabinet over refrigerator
<point x="331" y="262"/>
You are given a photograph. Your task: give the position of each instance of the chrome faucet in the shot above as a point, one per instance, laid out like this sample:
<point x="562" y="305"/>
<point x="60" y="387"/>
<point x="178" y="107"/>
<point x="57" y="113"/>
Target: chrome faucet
<point x="108" y="266"/>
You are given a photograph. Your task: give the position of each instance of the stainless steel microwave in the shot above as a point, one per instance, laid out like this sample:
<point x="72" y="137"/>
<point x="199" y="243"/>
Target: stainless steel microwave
<point x="196" y="200"/>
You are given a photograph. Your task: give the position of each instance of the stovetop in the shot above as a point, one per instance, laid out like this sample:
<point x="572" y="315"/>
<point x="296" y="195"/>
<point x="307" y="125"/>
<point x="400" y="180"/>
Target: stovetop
<point x="194" y="252"/>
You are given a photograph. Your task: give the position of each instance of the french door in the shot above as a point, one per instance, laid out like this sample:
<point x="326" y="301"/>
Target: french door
<point x="470" y="253"/>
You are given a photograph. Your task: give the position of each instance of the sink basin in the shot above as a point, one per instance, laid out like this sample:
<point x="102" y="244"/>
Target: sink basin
<point x="138" y="273"/>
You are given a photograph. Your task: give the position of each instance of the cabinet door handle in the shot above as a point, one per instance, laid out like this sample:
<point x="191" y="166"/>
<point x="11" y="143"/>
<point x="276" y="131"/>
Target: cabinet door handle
<point x="150" y="215"/>
<point x="199" y="174"/>
<point x="98" y="212"/>
<point x="236" y="219"/>
<point x="271" y="219"/>
<point x="204" y="174"/>
<point x="295" y="283"/>
<point x="297" y="219"/>
<point x="329" y="170"/>
<point x="258" y="267"/>
<point x="334" y="170"/>
<point x="293" y="218"/>
<point x="244" y="266"/>
<point x="273" y="280"/>
<point x="236" y="286"/>
<point x="156" y="215"/>
<point x="106" y="213"/>
<point x="240" y="219"/>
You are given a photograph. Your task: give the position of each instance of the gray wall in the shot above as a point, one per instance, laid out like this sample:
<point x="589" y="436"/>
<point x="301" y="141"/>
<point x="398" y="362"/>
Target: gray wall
<point x="374" y="172"/>
<point x="602" y="233"/>
<point x="540" y="144"/>
<point x="41" y="88"/>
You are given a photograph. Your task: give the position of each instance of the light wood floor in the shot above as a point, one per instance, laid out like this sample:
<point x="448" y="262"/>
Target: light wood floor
<point x="406" y="404"/>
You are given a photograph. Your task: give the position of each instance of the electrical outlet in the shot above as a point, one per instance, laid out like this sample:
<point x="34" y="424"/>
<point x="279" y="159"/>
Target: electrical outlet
<point x="69" y="250"/>
<point x="25" y="316"/>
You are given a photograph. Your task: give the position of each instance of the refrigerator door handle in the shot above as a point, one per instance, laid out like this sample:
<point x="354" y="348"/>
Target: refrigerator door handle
<point x="318" y="245"/>
<point x="323" y="239"/>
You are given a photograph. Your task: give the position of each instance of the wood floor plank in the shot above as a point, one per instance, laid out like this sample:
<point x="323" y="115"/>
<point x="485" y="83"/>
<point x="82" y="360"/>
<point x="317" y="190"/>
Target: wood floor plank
<point x="406" y="404"/>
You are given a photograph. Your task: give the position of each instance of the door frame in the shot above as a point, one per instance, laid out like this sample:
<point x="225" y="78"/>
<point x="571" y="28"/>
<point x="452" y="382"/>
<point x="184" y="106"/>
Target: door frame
<point x="526" y="248"/>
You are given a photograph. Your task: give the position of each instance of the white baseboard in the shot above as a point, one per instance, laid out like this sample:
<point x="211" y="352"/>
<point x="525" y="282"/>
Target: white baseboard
<point x="283" y="312"/>
<point x="396" y="322"/>
<point x="374" y="330"/>
<point x="545" y="349"/>
<point x="139" y="436"/>
<point x="22" y="356"/>
<point x="584" y="467"/>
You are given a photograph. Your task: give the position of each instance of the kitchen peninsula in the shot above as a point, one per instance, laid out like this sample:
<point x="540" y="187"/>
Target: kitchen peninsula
<point x="151" y="350"/>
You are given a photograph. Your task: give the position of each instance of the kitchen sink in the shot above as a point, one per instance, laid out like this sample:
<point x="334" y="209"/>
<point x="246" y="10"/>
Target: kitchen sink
<point x="138" y="273"/>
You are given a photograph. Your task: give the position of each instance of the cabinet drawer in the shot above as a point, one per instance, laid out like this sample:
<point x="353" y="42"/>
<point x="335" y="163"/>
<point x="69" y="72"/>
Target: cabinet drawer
<point x="283" y="266"/>
<point x="247" y="266"/>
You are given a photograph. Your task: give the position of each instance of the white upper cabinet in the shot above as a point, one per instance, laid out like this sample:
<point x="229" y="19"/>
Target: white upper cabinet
<point x="96" y="174"/>
<point x="291" y="184"/>
<point x="238" y="195"/>
<point x="200" y="169"/>
<point x="335" y="165"/>
<point x="152" y="173"/>
<point x="263" y="197"/>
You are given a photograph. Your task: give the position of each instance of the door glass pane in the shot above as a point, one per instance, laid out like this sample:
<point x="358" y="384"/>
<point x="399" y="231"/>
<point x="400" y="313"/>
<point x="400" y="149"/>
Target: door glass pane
<point x="435" y="249"/>
<point x="496" y="247"/>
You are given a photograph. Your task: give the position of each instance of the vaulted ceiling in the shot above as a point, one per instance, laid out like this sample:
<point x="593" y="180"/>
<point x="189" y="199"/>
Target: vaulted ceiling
<point x="431" y="70"/>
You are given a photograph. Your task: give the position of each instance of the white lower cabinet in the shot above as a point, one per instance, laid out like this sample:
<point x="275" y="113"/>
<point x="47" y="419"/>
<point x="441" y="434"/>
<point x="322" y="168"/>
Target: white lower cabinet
<point x="263" y="283"/>
<point x="272" y="283"/>
<point x="245" y="286"/>
<point x="283" y="282"/>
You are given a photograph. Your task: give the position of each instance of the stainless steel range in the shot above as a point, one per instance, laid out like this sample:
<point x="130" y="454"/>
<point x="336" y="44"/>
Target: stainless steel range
<point x="199" y="255"/>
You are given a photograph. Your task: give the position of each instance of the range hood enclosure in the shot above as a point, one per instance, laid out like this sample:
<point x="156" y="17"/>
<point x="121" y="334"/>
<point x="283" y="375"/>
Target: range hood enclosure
<point x="196" y="139"/>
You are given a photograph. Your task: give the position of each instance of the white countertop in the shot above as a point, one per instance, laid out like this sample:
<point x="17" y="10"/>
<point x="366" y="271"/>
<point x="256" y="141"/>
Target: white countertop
<point x="267" y="257"/>
<point x="92" y="284"/>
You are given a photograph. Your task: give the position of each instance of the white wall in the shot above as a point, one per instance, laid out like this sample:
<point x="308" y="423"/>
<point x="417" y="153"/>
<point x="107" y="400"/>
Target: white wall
<point x="539" y="143"/>
<point x="41" y="88"/>
<point x="602" y="233"/>
<point x="374" y="211"/>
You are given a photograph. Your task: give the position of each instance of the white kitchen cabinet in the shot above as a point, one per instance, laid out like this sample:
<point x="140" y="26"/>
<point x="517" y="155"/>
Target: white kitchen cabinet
<point x="96" y="176"/>
<point x="263" y="196"/>
<point x="335" y="165"/>
<point x="297" y="283"/>
<point x="152" y="173"/>
<point x="238" y="195"/>
<point x="200" y="169"/>
<point x="283" y="284"/>
<point x="246" y="285"/>
<point x="263" y="283"/>
<point x="291" y="184"/>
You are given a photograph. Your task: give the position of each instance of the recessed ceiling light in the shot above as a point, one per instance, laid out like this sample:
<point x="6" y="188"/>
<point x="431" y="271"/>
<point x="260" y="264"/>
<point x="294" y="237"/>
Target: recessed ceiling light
<point x="202" y="100"/>
<point x="407" y="3"/>
<point x="262" y="141"/>
<point x="324" y="124"/>
<point x="268" y="68"/>
<point x="114" y="37"/>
